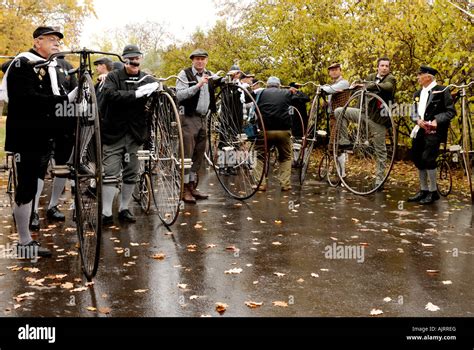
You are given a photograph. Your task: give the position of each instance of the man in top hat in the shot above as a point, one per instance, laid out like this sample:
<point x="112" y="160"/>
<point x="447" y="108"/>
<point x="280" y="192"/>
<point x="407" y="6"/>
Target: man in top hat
<point x="124" y="130"/>
<point x="33" y="96"/>
<point x="195" y="99"/>
<point x="432" y="112"/>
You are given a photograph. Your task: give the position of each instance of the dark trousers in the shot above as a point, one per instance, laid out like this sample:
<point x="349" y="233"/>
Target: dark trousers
<point x="425" y="150"/>
<point x="194" y="140"/>
<point x="28" y="165"/>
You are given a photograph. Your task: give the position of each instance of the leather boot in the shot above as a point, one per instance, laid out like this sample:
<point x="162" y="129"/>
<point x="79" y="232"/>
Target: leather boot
<point x="195" y="192"/>
<point x="187" y="195"/>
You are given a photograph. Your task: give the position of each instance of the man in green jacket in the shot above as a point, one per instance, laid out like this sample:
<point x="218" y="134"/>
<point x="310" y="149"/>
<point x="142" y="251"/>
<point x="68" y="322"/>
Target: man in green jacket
<point x="383" y="84"/>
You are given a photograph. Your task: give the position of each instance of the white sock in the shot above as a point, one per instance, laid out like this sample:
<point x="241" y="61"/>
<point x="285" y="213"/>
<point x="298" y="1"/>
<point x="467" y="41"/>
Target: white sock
<point x="342" y="164"/>
<point x="423" y="174"/>
<point x="186" y="178"/>
<point x="58" y="187"/>
<point x="192" y="176"/>
<point x="22" y="215"/>
<point x="126" y="196"/>
<point x="38" y="194"/>
<point x="108" y="194"/>
<point x="432" y="178"/>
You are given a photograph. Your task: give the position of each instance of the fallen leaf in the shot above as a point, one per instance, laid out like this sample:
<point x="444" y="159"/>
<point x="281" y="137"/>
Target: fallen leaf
<point x="80" y="289"/>
<point x="447" y="282"/>
<point x="197" y="226"/>
<point x="91" y="308"/>
<point x="232" y="248"/>
<point x="104" y="310"/>
<point x="134" y="244"/>
<point x="324" y="270"/>
<point x="158" y="256"/>
<point x="375" y="312"/>
<point x="88" y="284"/>
<point x="263" y="222"/>
<point x="253" y="304"/>
<point x="387" y="299"/>
<point x="431" y="307"/>
<point x="182" y="285"/>
<point x="31" y="269"/>
<point x="221" y="307"/>
<point x="255" y="282"/>
<point x="315" y="275"/>
<point x="278" y="222"/>
<point x="233" y="271"/>
<point x="432" y="272"/>
<point x="280" y="303"/>
<point x="210" y="246"/>
<point x="140" y="290"/>
<point x="249" y="218"/>
<point x="355" y="220"/>
<point x="300" y="280"/>
<point x="276" y="243"/>
<point x="67" y="285"/>
<point x="279" y="274"/>
<point x="192" y="297"/>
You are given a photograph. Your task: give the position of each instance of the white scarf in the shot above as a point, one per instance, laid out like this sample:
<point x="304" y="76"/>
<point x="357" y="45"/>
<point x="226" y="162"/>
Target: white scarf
<point x="31" y="57"/>
<point x="421" y="108"/>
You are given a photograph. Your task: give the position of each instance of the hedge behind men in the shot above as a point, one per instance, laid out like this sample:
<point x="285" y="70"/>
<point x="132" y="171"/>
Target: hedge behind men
<point x="33" y="95"/>
<point x="195" y="100"/>
<point x="124" y="130"/>
<point x="433" y="112"/>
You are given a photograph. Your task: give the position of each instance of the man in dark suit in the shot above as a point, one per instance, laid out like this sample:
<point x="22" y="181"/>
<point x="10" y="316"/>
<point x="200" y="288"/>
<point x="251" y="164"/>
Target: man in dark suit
<point x="433" y="111"/>
<point x="34" y="95"/>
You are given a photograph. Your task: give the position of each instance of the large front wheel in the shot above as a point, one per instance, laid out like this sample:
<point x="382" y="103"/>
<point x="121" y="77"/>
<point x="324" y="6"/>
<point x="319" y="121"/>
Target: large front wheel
<point x="365" y="133"/>
<point x="87" y="171"/>
<point x="238" y="143"/>
<point x="168" y="171"/>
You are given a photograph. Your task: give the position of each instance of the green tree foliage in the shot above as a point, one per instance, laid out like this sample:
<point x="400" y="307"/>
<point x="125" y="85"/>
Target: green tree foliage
<point x="19" y="18"/>
<point x="297" y="39"/>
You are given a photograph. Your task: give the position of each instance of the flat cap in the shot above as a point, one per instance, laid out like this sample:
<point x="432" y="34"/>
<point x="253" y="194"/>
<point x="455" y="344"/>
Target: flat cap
<point x="426" y="69"/>
<point x="273" y="81"/>
<point x="334" y="65"/>
<point x="131" y="51"/>
<point x="47" y="31"/>
<point x="198" y="53"/>
<point x="103" y="60"/>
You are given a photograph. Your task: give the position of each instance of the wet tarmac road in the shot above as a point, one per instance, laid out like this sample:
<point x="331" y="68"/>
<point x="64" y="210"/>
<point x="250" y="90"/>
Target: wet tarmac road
<point x="275" y="247"/>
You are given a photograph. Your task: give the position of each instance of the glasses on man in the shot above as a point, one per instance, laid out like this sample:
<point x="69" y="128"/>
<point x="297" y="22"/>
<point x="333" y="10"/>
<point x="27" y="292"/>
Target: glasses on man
<point x="51" y="39"/>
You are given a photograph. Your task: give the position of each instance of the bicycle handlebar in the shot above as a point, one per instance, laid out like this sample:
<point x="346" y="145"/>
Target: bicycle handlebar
<point x="454" y="86"/>
<point x="157" y="79"/>
<point x="43" y="63"/>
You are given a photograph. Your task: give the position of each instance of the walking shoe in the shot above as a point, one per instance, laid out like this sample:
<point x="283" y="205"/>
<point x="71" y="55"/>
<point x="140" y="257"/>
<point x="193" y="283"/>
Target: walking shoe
<point x="418" y="197"/>
<point x="107" y="220"/>
<point x="187" y="195"/>
<point x="195" y="192"/>
<point x="430" y="198"/>
<point x="34" y="222"/>
<point x="31" y="250"/>
<point x="127" y="216"/>
<point x="54" y="214"/>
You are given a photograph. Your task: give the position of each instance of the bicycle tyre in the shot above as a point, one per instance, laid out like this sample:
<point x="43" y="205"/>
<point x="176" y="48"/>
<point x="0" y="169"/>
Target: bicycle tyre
<point x="168" y="174"/>
<point x="364" y="171"/>
<point x="238" y="145"/>
<point x="88" y="166"/>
